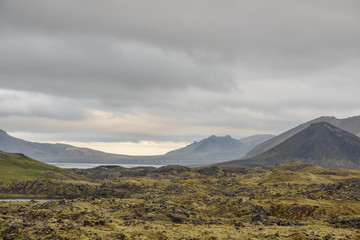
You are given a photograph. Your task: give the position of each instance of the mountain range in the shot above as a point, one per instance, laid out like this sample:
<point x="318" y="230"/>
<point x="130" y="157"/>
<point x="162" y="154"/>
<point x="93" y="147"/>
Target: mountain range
<point x="207" y="151"/>
<point x="320" y="143"/>
<point x="351" y="124"/>
<point x="260" y="150"/>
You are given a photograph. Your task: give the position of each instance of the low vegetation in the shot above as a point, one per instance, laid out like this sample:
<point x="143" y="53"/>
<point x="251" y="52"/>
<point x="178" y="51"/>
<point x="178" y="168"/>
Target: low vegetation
<point x="289" y="201"/>
<point x="16" y="166"/>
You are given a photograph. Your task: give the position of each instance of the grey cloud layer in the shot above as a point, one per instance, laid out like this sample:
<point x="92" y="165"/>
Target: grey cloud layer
<point x="224" y="27"/>
<point x="241" y="64"/>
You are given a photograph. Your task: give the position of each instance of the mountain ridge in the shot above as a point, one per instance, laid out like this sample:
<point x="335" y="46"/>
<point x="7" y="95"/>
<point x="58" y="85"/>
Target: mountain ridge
<point x="63" y="153"/>
<point x="220" y="147"/>
<point x="350" y="124"/>
<point x="320" y="143"/>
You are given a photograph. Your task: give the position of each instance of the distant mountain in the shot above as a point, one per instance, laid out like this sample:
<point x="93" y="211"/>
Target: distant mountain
<point x="210" y="150"/>
<point x="321" y="143"/>
<point x="253" y="141"/>
<point x="16" y="145"/>
<point x="351" y="125"/>
<point x="216" y="148"/>
<point x="211" y="145"/>
<point x="19" y="167"/>
<point x="47" y="152"/>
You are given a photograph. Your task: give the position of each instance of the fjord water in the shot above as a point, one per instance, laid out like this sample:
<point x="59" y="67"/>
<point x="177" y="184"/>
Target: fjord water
<point x="93" y="165"/>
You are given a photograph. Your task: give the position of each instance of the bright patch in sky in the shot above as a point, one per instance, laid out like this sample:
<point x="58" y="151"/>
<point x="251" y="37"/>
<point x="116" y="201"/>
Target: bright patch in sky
<point x="142" y="148"/>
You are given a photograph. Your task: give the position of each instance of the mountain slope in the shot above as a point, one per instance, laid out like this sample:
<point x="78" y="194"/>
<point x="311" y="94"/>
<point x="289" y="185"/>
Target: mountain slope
<point x="12" y="144"/>
<point x="351" y="125"/>
<point x="47" y="152"/>
<point x="216" y="148"/>
<point x="15" y="166"/>
<point x="252" y="141"/>
<point x="321" y="143"/>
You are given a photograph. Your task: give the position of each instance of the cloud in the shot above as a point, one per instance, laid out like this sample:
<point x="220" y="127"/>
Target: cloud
<point x="164" y="69"/>
<point x="104" y="69"/>
<point x="227" y="28"/>
<point x="37" y="105"/>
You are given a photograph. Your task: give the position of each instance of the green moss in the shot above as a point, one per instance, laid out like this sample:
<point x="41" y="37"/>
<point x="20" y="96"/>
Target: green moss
<point x="199" y="206"/>
<point x="19" y="167"/>
<point x="293" y="212"/>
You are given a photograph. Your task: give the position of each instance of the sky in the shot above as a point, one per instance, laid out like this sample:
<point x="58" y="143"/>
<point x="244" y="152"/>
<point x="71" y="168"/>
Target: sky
<point x="145" y="77"/>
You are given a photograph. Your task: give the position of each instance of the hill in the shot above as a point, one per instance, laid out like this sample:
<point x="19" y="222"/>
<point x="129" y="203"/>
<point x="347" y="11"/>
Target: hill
<point x="207" y="151"/>
<point x="351" y="124"/>
<point x="321" y="143"/>
<point x="15" y="166"/>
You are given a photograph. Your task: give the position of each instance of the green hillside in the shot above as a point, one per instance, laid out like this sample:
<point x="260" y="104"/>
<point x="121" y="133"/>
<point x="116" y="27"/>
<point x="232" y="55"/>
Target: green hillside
<point x="14" y="166"/>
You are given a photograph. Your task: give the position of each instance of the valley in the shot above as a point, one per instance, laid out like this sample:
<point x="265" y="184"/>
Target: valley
<point x="266" y="196"/>
<point x="179" y="120"/>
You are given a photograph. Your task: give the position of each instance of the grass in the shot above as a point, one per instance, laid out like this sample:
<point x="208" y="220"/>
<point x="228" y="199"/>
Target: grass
<point x="19" y="167"/>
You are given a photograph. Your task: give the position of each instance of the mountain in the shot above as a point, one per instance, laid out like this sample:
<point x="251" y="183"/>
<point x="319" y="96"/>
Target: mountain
<point x="351" y="124"/>
<point x="210" y="150"/>
<point x="321" y="143"/>
<point x="253" y="141"/>
<point x="216" y="148"/>
<point x="211" y="145"/>
<point x="16" y="166"/>
<point x="47" y="152"/>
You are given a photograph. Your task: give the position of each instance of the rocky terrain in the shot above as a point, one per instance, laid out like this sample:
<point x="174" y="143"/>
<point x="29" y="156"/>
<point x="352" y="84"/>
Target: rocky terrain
<point x="288" y="201"/>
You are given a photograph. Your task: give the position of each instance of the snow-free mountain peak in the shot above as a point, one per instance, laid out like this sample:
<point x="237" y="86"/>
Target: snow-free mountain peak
<point x="320" y="143"/>
<point x="351" y="124"/>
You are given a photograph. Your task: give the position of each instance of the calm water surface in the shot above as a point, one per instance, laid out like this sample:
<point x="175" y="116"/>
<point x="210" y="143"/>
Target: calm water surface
<point x="92" y="165"/>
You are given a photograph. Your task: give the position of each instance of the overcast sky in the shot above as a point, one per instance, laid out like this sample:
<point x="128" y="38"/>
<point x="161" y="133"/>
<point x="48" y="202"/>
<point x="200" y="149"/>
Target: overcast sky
<point x="158" y="74"/>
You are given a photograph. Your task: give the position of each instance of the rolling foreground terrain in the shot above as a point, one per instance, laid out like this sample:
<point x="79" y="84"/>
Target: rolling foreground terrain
<point x="288" y="201"/>
<point x="321" y="143"/>
<point x="207" y="151"/>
